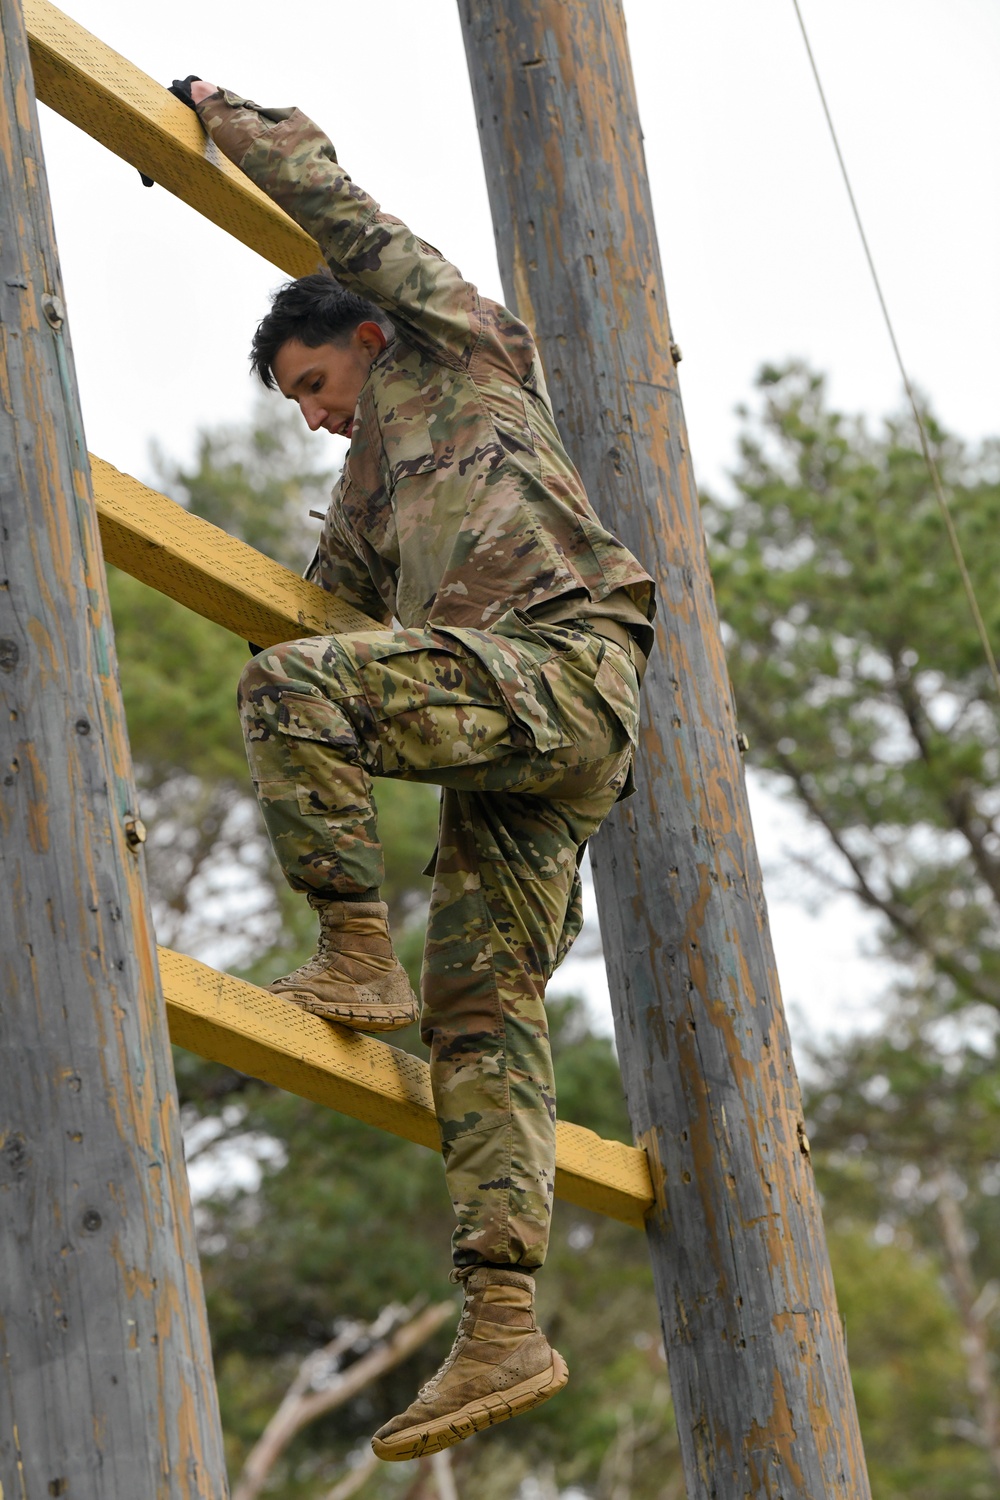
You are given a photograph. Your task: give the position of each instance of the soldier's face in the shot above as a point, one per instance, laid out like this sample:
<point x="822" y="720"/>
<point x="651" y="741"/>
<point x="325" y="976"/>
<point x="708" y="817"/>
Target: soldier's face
<point x="327" y="381"/>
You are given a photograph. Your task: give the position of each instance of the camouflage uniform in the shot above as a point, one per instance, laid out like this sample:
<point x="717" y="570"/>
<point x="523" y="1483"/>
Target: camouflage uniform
<point x="460" y="515"/>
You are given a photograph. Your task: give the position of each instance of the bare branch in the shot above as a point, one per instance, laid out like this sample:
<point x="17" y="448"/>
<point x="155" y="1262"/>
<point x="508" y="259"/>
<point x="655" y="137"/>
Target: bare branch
<point x="981" y="1379"/>
<point x="444" y="1475"/>
<point x="354" y="1479"/>
<point x="961" y="1427"/>
<point x="302" y="1405"/>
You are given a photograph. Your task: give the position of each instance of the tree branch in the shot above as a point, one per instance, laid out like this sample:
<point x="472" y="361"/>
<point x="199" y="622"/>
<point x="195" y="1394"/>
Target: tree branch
<point x="301" y="1405"/>
<point x="354" y="1479"/>
<point x="958" y="802"/>
<point x="901" y="917"/>
<point x="982" y="1385"/>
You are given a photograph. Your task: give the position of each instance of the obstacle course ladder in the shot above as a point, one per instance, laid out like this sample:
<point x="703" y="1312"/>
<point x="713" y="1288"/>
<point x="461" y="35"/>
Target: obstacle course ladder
<point x="156" y="540"/>
<point x="101" y="1268"/>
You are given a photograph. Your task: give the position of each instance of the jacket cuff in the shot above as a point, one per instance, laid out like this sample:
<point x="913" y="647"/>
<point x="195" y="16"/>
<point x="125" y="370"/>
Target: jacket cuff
<point x="235" y="123"/>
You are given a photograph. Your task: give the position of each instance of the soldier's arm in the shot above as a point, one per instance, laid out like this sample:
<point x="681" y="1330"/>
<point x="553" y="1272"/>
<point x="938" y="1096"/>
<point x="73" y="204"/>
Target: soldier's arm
<point x="371" y="253"/>
<point x="338" y="568"/>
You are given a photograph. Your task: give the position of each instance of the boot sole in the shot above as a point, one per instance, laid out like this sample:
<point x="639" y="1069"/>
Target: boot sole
<point x="444" y="1432"/>
<point x="371" y="1018"/>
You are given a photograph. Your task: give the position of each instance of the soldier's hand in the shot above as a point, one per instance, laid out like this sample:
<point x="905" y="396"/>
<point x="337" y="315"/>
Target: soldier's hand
<point x="192" y="90"/>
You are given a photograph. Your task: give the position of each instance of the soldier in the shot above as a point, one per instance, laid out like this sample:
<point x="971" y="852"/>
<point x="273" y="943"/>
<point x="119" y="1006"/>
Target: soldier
<point x="511" y="681"/>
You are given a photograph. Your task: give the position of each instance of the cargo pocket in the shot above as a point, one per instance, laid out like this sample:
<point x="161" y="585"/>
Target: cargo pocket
<point x="515" y="662"/>
<point x="323" y="752"/>
<point x="617" y="684"/>
<point x="407" y="443"/>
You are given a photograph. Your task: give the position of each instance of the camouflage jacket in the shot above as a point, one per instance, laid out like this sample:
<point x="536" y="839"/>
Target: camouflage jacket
<point x="457" y="501"/>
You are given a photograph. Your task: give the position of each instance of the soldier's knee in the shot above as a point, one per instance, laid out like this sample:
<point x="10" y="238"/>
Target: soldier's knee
<point x="324" y="666"/>
<point x="263" y="671"/>
<point x="250" y="679"/>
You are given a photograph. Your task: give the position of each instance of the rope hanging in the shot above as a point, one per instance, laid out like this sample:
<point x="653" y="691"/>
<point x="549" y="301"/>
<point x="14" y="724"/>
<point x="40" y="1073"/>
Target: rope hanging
<point x="945" y="509"/>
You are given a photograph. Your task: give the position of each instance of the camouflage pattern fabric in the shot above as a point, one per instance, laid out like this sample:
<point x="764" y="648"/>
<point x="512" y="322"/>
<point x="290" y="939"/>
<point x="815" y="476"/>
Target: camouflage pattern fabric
<point x="530" y="729"/>
<point x="459" y="514"/>
<point x="458" y="501"/>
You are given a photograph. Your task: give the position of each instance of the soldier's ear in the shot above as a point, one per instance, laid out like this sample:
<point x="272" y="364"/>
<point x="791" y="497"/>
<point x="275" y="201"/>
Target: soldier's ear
<point x="372" y="337"/>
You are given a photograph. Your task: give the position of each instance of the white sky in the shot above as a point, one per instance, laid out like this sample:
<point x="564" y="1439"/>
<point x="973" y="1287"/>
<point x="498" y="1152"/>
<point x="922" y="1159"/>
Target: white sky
<point x="760" y="255"/>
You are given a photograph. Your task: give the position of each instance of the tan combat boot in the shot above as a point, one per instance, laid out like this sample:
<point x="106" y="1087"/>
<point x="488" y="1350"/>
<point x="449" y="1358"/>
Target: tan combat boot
<point x="500" y="1365"/>
<point x="354" y="977"/>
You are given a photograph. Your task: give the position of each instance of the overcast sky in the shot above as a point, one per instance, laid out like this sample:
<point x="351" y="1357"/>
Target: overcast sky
<point x="760" y="255"/>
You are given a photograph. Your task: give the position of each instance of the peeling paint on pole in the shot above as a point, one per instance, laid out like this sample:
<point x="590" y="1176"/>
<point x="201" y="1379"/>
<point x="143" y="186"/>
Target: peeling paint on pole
<point x="106" y="1389"/>
<point x="754" y="1344"/>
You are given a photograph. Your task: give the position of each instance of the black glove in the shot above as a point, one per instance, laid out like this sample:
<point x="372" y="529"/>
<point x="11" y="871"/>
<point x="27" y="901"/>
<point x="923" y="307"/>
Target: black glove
<point x="181" y="89"/>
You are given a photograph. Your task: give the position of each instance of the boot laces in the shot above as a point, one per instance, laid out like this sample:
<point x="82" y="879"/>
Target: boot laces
<point x="317" y="966"/>
<point x="321" y="960"/>
<point x="461" y="1333"/>
<point x="330" y="949"/>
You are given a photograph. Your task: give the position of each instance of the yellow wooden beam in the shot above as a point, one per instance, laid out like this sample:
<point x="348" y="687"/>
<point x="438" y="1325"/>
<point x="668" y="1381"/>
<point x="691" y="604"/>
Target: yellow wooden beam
<point x="93" y="86"/>
<point x="211" y="572"/>
<point x="247" y="1028"/>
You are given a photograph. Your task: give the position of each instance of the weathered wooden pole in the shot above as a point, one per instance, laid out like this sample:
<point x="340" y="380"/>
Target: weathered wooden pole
<point x="756" y="1353"/>
<point x="106" y="1389"/>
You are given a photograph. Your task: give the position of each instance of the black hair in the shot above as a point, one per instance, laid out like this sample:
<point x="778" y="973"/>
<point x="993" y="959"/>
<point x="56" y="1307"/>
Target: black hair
<point x="315" y="310"/>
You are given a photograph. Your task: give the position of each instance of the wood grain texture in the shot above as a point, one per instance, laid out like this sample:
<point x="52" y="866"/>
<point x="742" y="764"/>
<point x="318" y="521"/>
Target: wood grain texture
<point x="90" y="84"/>
<point x="106" y="1389"/>
<point x="755" y="1348"/>
<point x="246" y="1027"/>
<point x="216" y="575"/>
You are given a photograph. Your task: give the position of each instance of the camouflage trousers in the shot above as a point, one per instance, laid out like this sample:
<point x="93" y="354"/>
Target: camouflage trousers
<point x="530" y="731"/>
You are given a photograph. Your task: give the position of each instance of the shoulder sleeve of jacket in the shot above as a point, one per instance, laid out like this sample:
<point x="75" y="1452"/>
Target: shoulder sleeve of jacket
<point x="371" y="253"/>
<point x="338" y="568"/>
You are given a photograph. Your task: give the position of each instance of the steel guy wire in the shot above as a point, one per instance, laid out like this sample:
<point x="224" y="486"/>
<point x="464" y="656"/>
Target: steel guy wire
<point x="946" y="515"/>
